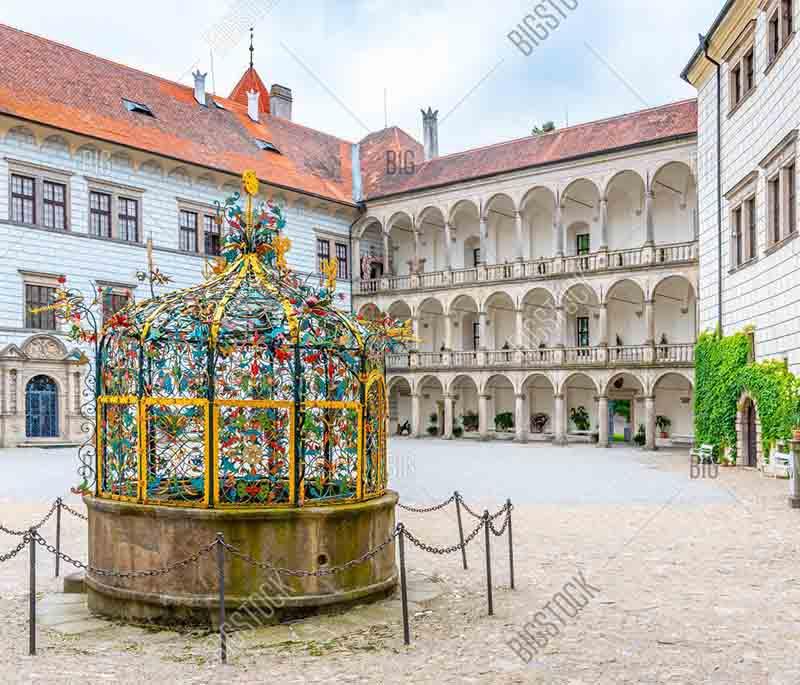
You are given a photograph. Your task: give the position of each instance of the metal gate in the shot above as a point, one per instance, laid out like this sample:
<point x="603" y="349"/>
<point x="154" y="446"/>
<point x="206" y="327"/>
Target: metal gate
<point x="41" y="408"/>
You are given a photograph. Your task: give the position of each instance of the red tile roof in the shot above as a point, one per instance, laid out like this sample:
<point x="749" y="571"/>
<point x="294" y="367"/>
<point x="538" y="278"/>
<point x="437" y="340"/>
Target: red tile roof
<point x="250" y="82"/>
<point x="56" y="85"/>
<point x="53" y="84"/>
<point x="675" y="120"/>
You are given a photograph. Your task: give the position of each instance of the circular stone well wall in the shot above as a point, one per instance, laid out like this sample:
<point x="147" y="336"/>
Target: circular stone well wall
<point x="130" y="537"/>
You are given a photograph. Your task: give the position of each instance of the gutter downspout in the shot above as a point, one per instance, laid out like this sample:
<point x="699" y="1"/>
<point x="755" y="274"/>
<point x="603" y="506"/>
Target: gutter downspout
<point x="705" y="42"/>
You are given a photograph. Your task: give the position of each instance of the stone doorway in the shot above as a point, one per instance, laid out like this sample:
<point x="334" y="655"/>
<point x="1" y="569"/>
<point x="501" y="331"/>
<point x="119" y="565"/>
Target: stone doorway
<point x="748" y="433"/>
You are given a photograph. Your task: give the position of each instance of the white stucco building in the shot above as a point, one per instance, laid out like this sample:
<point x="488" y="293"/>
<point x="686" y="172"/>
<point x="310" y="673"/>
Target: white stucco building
<point x="749" y="250"/>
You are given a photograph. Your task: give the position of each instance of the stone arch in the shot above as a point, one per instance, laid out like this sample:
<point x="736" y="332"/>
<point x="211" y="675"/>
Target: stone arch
<point x="401" y="310"/>
<point x="673" y="393"/>
<point x="462" y="314"/>
<point x="674" y="189"/>
<point x="674" y="309"/>
<point x="529" y="195"/>
<point x="499" y="376"/>
<point x="749" y="450"/>
<point x="56" y="144"/>
<point x="43" y="398"/>
<point x="122" y="161"/>
<point x="398" y="394"/>
<point x="398" y="216"/>
<point x="683" y="375"/>
<point x="180" y="175"/>
<point x="576" y="375"/>
<point x="617" y="175"/>
<point x="501" y="392"/>
<point x="153" y="167"/>
<point x="579" y="293"/>
<point x="464" y="391"/>
<point x="430" y="390"/>
<point x="538" y="207"/>
<point x="431" y="227"/>
<point x="501" y="320"/>
<point x="539" y="319"/>
<point x="365" y="223"/>
<point x="402" y="250"/>
<point x="580" y="390"/>
<point x="44" y="347"/>
<point x="500" y="212"/>
<point x="463" y="205"/>
<point x="538" y="391"/>
<point x="431" y="325"/>
<point x="610" y="386"/>
<point x="22" y="136"/>
<point x="580" y="204"/>
<point x="625" y="193"/>
<point x="499" y="197"/>
<point x="627" y="323"/>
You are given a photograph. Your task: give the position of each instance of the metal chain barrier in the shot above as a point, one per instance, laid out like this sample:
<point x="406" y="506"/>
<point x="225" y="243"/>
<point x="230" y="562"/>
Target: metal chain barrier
<point x="36" y="527"/>
<point x="319" y="572"/>
<point x="72" y="511"/>
<point x="12" y="553"/>
<point x="502" y="530"/>
<point x="441" y="550"/>
<point x="426" y="510"/>
<point x="467" y="509"/>
<point x="124" y="574"/>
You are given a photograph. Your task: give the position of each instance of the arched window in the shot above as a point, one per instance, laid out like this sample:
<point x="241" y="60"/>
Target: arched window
<point x="41" y="408"/>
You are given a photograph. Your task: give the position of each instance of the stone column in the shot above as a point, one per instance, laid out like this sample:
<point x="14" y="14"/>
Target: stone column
<point x="560" y="420"/>
<point x="519" y="338"/>
<point x="520" y="419"/>
<point x="355" y="267"/>
<point x="558" y="232"/>
<point x="386" y="255"/>
<point x="649" y="225"/>
<point x="417" y="265"/>
<point x="603" y="224"/>
<point x="561" y="322"/>
<point x="415" y="332"/>
<point x="448" y="245"/>
<point x="483" y="416"/>
<point x="602" y="420"/>
<point x="519" y="237"/>
<point x="482" y="330"/>
<point x="449" y="406"/>
<point x="603" y="337"/>
<point x="448" y="331"/>
<point x="416" y="415"/>
<point x="650" y="319"/>
<point x="484" y="233"/>
<point x="650" y="422"/>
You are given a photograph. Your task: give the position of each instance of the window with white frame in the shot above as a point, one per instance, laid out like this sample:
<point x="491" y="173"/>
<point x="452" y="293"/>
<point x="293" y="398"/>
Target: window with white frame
<point x="199" y="230"/>
<point x="187" y="237"/>
<point x="780" y="169"/>
<point x="115" y="211"/>
<point x="38" y="291"/>
<point x="38" y="196"/>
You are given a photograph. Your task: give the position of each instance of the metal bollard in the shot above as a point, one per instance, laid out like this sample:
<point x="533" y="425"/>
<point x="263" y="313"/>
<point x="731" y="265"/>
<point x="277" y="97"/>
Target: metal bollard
<point x="58" y="535"/>
<point x="404" y="586"/>
<point x="488" y="562"/>
<point x="460" y="530"/>
<point x="32" y="593"/>
<point x="223" y="644"/>
<point x="510" y="545"/>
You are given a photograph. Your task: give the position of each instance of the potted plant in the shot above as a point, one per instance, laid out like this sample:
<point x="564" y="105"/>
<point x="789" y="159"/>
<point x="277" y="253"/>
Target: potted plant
<point x="504" y="421"/>
<point x="458" y="431"/>
<point x="580" y="417"/>
<point x="663" y="424"/>
<point x="470" y="421"/>
<point x="640" y="438"/>
<point x="433" y="429"/>
<point x="539" y="422"/>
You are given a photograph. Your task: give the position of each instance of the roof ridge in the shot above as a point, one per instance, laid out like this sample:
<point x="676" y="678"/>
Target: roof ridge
<point x="99" y="57"/>
<point x="568" y="128"/>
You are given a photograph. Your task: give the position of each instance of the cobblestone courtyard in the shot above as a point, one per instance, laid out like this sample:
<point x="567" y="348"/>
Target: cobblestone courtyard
<point x="698" y="581"/>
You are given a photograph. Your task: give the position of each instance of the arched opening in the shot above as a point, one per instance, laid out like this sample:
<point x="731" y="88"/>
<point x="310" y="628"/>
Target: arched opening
<point x="582" y="318"/>
<point x="465" y="409"/>
<point x="41" y="408"/>
<point x="431" y="326"/>
<point x="501" y="228"/>
<point x="626" y="215"/>
<point x="539" y="407"/>
<point x="500" y="323"/>
<point x="675" y="311"/>
<point x="674" y="204"/>
<point x="431" y="396"/>
<point x="401" y="246"/>
<point x="674" y="399"/>
<point x="464" y="319"/>
<point x="627" y="323"/>
<point x="371" y="246"/>
<point x="626" y="411"/>
<point x="501" y="419"/>
<point x="432" y="244"/>
<point x="401" y="312"/>
<point x="538" y="213"/>
<point x="465" y="227"/>
<point x="400" y="410"/>
<point x="539" y="322"/>
<point x="749" y="433"/>
<point x="580" y="392"/>
<point x="580" y="204"/>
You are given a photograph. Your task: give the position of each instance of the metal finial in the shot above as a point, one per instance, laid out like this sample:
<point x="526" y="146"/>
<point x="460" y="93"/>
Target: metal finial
<point x="252" y="49"/>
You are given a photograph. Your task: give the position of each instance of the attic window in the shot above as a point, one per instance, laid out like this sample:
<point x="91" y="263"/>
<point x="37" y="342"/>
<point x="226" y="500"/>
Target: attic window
<point x="137" y="108"/>
<point x="266" y="145"/>
<point x="219" y="105"/>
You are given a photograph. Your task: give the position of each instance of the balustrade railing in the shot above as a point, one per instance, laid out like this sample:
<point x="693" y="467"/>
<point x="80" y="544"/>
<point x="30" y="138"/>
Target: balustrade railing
<point x="539" y="268"/>
<point x="629" y="354"/>
<point x="675" y="354"/>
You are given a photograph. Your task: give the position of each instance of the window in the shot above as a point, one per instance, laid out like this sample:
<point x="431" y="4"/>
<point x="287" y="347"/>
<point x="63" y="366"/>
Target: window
<point x="774" y="191"/>
<point x="582" y="326"/>
<point x="780" y="28"/>
<point x="791" y="199"/>
<point x="476" y="257"/>
<point x="128" y="219"/>
<point x="787" y="17"/>
<point x="137" y="108"/>
<point x="736" y="85"/>
<point x="774" y="37"/>
<point x="342" y="260"/>
<point x="752" y="241"/>
<point x="749" y="71"/>
<point x="100" y="214"/>
<point x="39" y="296"/>
<point x="582" y="243"/>
<point x="737" y="237"/>
<point x="213" y="235"/>
<point x="23" y="199"/>
<point x="54" y="205"/>
<point x="112" y="303"/>
<point x="187" y="239"/>
<point x="323" y="252"/>
<point x="266" y="146"/>
<point x="476" y="335"/>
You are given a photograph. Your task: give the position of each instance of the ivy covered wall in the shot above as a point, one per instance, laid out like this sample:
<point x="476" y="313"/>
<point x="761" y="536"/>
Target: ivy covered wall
<point x="723" y="373"/>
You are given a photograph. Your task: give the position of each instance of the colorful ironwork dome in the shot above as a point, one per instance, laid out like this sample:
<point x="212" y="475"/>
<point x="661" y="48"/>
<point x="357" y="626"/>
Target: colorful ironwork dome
<point x="251" y="389"/>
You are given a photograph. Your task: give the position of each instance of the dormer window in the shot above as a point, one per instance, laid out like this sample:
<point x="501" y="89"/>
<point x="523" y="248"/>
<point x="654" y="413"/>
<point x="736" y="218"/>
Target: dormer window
<point x="137" y="108"/>
<point x="267" y="146"/>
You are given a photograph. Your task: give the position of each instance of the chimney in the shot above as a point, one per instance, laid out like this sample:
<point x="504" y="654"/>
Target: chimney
<point x="280" y="101"/>
<point x="252" y="104"/>
<point x="200" y="87"/>
<point x="430" y="133"/>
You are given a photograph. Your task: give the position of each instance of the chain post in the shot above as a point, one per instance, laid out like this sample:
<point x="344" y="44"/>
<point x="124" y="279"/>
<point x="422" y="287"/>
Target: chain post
<point x="510" y="545"/>
<point x="58" y="535"/>
<point x="32" y="593"/>
<point x="223" y="644"/>
<point x="460" y="530"/>
<point x="403" y="585"/>
<point x="488" y="562"/>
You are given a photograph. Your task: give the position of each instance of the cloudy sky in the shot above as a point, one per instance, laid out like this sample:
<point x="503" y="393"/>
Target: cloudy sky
<point x="606" y="57"/>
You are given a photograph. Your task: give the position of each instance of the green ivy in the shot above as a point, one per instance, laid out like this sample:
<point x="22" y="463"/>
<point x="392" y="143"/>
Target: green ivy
<point x="722" y="374"/>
